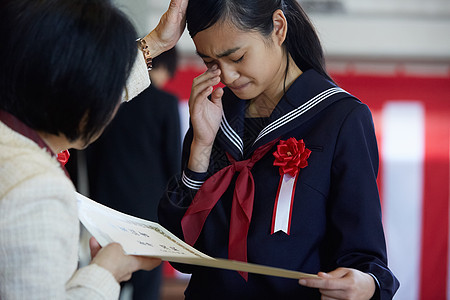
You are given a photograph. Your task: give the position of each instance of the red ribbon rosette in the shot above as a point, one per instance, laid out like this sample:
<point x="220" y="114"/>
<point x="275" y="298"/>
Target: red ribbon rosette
<point x="291" y="156"/>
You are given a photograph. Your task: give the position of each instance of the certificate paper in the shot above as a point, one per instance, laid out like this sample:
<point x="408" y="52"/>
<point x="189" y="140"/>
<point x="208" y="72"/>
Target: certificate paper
<point x="142" y="237"/>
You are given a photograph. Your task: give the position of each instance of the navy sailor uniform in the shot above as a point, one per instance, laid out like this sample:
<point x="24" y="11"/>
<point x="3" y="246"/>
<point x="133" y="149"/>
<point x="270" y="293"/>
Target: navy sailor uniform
<point x="336" y="213"/>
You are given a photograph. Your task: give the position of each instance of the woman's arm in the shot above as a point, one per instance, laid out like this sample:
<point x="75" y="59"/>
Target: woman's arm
<point x="164" y="37"/>
<point x="169" y="29"/>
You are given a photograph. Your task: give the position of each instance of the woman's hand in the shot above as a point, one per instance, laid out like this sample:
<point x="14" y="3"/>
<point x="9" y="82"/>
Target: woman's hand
<point x="206" y="116"/>
<point x="120" y="265"/>
<point x="342" y="283"/>
<point x="169" y="29"/>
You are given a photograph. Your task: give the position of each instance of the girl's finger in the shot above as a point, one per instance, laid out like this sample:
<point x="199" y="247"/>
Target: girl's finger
<point x="212" y="72"/>
<point x="216" y="96"/>
<point x="202" y="90"/>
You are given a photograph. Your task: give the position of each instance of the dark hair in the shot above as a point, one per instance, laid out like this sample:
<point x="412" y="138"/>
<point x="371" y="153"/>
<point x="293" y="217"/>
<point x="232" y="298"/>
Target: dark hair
<point x="301" y="42"/>
<point x="168" y="60"/>
<point x="64" y="63"/>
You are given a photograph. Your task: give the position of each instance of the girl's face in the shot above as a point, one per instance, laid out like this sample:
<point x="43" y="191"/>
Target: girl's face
<point x="251" y="65"/>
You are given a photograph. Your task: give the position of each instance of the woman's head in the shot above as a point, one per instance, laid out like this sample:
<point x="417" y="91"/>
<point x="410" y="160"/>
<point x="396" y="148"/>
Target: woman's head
<point x="301" y="41"/>
<point x="64" y="63"/>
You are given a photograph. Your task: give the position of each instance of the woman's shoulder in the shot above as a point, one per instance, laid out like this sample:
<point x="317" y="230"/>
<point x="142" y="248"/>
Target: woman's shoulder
<point x="23" y="162"/>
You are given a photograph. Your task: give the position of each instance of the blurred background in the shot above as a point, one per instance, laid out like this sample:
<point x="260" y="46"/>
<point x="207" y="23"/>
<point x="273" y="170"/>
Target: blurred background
<point x="395" y="57"/>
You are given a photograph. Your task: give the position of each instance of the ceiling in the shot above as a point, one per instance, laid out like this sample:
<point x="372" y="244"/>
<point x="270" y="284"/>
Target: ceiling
<point x="351" y="29"/>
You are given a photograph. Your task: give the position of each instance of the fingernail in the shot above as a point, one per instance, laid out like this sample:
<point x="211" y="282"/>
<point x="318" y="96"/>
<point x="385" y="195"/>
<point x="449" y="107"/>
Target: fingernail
<point x="302" y="281"/>
<point x="213" y="68"/>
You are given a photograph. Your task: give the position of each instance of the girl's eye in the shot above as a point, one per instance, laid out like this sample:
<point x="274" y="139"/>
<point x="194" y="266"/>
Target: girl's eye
<point x="238" y="60"/>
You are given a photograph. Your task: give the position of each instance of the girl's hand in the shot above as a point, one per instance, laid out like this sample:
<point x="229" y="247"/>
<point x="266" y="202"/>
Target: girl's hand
<point x="342" y="283"/>
<point x="206" y="116"/>
<point x="120" y="265"/>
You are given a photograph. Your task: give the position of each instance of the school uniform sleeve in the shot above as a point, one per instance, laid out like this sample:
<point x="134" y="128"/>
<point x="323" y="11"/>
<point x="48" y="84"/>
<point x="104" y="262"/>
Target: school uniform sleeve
<point x="354" y="207"/>
<point x="179" y="194"/>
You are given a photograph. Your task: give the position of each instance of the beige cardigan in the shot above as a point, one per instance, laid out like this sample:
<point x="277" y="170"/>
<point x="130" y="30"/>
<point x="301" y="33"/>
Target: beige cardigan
<point x="139" y="79"/>
<point x="39" y="227"/>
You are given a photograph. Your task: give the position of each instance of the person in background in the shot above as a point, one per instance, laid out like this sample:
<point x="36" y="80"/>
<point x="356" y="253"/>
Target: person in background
<point x="280" y="166"/>
<point x="65" y="67"/>
<point x="164" y="68"/>
<point x="130" y="164"/>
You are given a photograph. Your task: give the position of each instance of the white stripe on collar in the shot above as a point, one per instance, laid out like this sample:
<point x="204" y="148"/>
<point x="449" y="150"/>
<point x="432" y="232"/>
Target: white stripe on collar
<point x="236" y="140"/>
<point x="298" y="111"/>
<point x="231" y="134"/>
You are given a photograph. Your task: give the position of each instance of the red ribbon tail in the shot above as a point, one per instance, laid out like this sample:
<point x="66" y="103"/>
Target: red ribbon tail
<point x="204" y="201"/>
<point x="241" y="215"/>
<point x="244" y="275"/>
<point x="192" y="228"/>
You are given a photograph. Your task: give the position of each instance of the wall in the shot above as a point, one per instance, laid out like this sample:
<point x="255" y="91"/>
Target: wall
<point x="363" y="28"/>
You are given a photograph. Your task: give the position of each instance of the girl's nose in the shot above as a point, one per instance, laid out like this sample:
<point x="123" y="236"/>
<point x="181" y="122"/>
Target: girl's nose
<point x="228" y="74"/>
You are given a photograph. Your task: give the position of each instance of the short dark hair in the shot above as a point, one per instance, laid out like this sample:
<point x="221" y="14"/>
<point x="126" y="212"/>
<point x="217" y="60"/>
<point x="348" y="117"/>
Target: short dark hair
<point x="301" y="42"/>
<point x="64" y="63"/>
<point x="168" y="60"/>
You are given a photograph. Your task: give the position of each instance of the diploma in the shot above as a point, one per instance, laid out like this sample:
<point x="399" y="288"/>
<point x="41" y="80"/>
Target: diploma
<point x="145" y="238"/>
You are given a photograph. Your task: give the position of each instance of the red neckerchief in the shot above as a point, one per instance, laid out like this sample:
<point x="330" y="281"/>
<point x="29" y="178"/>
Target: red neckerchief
<point x="241" y="209"/>
<point x="21" y="128"/>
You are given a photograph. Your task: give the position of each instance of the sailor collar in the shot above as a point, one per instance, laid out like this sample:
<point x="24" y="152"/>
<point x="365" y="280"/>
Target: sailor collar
<point x="308" y="95"/>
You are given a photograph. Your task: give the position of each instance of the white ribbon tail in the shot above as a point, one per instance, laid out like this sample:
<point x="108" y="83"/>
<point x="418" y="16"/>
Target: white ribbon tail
<point x="282" y="211"/>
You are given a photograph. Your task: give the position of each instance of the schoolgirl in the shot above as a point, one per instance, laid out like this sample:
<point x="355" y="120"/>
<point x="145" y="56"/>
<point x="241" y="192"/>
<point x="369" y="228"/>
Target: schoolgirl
<point x="280" y="166"/>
